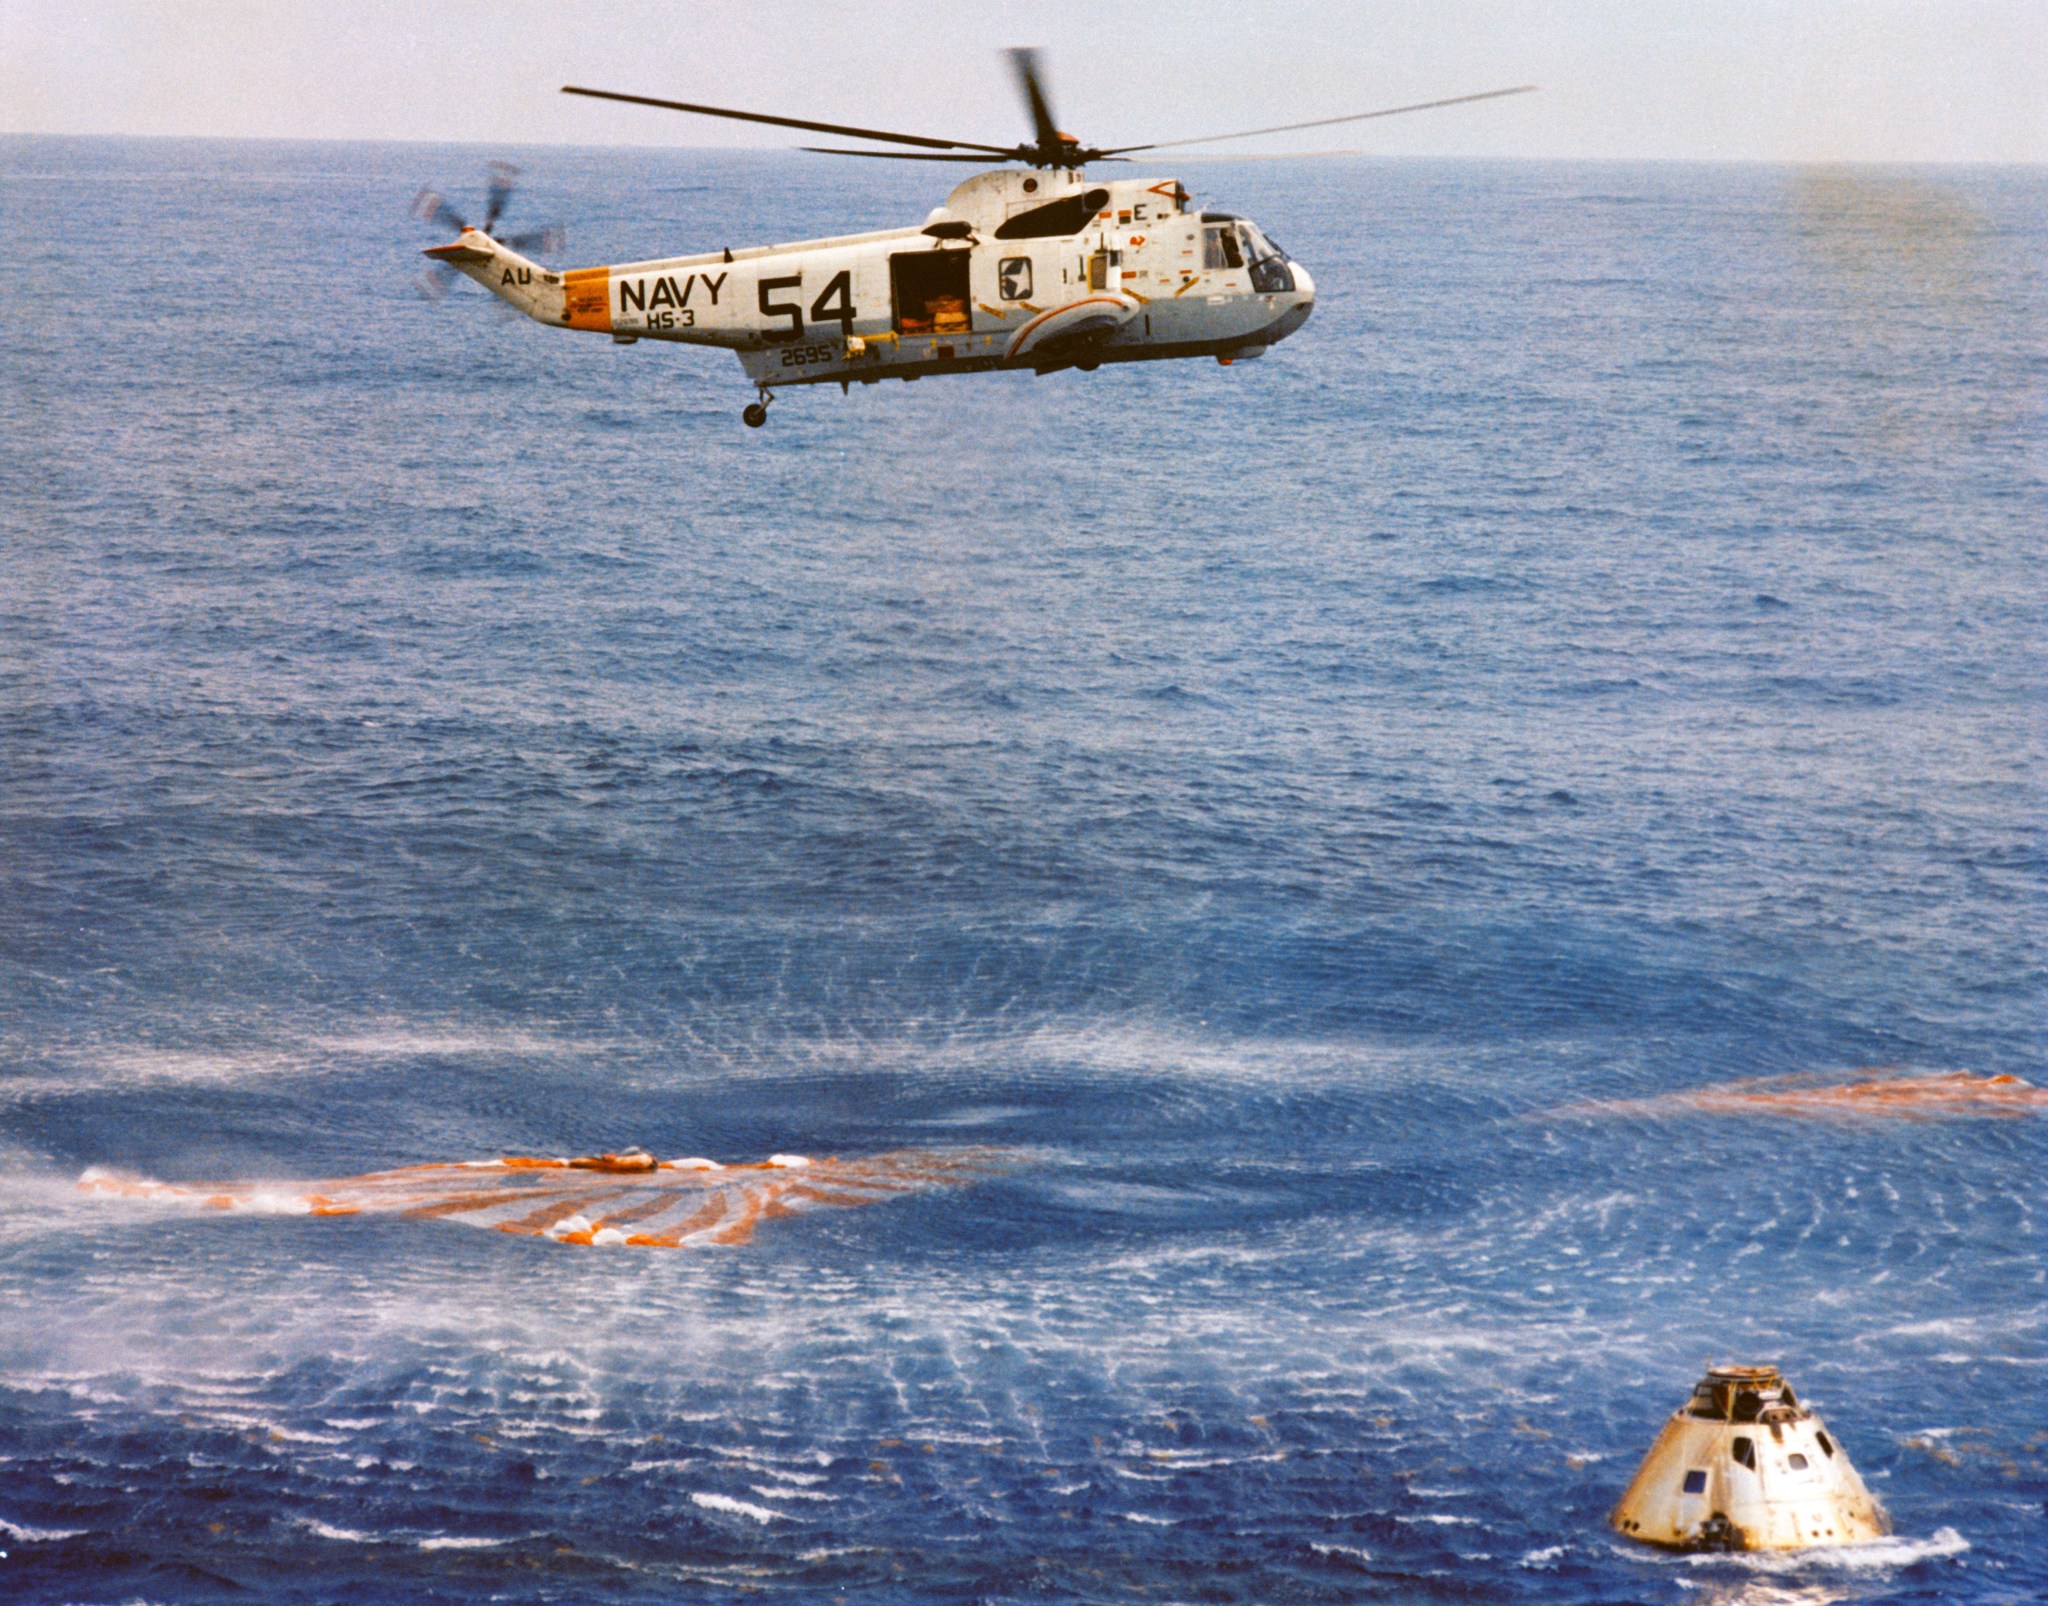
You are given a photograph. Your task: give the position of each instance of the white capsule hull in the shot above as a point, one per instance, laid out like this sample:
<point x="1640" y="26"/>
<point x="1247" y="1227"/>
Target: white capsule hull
<point x="1776" y="1481"/>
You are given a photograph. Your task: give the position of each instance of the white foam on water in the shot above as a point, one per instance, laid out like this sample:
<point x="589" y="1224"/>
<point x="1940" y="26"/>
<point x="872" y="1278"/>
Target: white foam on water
<point x="1871" y="1555"/>
<point x="346" y="1536"/>
<point x="773" y="1492"/>
<point x="1353" y="1552"/>
<point x="1188" y="1461"/>
<point x="26" y="1535"/>
<point x="1542" y="1558"/>
<point x="1149" y="1521"/>
<point x="767" y="1460"/>
<point x="738" y="1508"/>
<point x="1443" y="1519"/>
<point x="987" y="1115"/>
<point x="397" y="1040"/>
<point x="458" y="1542"/>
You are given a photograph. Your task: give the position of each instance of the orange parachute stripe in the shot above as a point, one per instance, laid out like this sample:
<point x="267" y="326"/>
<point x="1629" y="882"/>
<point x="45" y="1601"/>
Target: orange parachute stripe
<point x="1906" y="1097"/>
<point x="590" y="1199"/>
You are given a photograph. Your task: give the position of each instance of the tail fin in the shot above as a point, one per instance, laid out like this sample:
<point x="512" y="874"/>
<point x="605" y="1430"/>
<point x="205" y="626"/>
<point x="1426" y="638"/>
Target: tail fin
<point x="533" y="289"/>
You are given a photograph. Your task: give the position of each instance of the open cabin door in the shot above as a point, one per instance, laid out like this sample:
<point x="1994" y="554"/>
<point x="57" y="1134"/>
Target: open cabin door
<point x="928" y="290"/>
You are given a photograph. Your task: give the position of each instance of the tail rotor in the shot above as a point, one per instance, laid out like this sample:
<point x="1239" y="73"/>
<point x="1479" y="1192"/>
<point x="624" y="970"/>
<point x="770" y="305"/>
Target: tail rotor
<point x="501" y="180"/>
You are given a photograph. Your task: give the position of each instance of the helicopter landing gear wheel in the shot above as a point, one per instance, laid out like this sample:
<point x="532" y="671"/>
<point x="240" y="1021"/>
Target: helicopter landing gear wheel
<point x="755" y="414"/>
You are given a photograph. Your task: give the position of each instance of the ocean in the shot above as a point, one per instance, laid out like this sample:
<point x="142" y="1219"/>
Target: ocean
<point x="1311" y="829"/>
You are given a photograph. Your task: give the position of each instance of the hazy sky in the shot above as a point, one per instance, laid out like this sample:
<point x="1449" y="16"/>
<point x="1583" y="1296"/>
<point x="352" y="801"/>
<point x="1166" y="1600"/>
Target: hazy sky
<point x="1829" y="80"/>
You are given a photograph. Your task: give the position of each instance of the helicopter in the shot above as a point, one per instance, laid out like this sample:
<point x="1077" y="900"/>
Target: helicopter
<point x="1031" y="266"/>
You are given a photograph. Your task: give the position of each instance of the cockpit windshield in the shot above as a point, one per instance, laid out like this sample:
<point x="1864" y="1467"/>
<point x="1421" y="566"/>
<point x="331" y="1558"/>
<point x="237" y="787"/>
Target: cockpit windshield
<point x="1267" y="261"/>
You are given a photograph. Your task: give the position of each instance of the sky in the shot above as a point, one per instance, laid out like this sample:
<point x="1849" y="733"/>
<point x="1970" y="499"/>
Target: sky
<point x="1748" y="80"/>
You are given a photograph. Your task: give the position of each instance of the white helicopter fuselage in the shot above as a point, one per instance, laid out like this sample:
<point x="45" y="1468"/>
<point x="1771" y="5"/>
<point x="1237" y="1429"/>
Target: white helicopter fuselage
<point x="1019" y="269"/>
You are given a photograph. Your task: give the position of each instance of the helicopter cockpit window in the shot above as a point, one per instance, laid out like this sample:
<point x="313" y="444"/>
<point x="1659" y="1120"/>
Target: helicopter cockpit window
<point x="1219" y="247"/>
<point x="1013" y="278"/>
<point x="1270" y="274"/>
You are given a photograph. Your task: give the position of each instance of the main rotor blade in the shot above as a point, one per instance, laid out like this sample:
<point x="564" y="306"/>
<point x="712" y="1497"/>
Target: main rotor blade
<point x="1325" y="122"/>
<point x="789" y="122"/>
<point x="912" y="156"/>
<point x="1025" y="64"/>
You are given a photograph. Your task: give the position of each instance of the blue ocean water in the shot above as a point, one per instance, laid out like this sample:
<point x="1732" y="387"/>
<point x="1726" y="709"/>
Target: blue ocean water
<point x="1600" y="657"/>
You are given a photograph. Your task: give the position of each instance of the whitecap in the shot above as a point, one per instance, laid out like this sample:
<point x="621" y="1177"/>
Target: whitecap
<point x="739" y="1508"/>
<point x="349" y="1536"/>
<point x="459" y="1542"/>
<point x="1871" y="1555"/>
<point x="38" y="1536"/>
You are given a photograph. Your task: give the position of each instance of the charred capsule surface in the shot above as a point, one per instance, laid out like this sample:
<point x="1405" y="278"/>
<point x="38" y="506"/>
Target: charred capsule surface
<point x="1743" y="1465"/>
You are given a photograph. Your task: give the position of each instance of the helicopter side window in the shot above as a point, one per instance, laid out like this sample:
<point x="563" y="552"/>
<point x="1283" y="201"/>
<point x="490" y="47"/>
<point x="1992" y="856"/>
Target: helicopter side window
<point x="1219" y="248"/>
<point x="1013" y="278"/>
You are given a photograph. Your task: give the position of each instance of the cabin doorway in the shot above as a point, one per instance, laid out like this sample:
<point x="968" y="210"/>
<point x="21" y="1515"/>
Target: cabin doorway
<point x="929" y="289"/>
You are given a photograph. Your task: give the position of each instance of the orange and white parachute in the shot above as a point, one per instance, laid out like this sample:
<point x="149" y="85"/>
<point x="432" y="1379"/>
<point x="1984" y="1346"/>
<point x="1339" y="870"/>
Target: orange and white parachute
<point x="1886" y="1094"/>
<point x="626" y="1198"/>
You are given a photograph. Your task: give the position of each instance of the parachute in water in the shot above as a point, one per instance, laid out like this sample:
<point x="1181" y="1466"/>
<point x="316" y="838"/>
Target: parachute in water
<point x="629" y="1198"/>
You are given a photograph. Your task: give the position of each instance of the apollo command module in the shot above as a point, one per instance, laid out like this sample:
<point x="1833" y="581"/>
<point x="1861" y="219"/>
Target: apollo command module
<point x="1743" y="1465"/>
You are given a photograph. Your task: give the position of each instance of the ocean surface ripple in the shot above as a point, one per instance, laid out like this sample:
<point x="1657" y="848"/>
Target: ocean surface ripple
<point x="1323" y="822"/>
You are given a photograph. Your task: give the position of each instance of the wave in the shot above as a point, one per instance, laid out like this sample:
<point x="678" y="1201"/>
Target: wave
<point x="21" y="1533"/>
<point x="738" y="1508"/>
